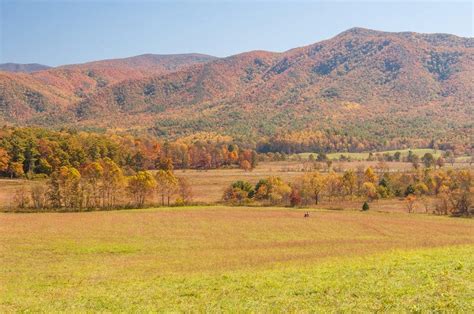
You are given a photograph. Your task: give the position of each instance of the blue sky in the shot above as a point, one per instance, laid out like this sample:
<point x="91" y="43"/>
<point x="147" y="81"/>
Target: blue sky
<point x="73" y="31"/>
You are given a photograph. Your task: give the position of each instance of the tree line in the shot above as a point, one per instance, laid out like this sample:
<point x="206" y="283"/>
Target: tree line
<point x="103" y="185"/>
<point x="33" y="152"/>
<point x="453" y="190"/>
<point x="326" y="141"/>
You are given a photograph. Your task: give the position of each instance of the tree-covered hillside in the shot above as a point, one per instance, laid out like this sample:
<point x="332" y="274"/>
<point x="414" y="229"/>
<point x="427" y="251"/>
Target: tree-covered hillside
<point x="362" y="90"/>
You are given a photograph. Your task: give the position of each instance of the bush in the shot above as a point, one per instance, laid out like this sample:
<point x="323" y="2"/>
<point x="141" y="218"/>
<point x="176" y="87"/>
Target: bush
<point x="365" y="207"/>
<point x="180" y="202"/>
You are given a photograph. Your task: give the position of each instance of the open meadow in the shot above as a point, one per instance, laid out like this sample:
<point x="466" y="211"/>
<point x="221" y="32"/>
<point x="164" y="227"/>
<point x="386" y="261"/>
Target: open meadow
<point x="235" y="259"/>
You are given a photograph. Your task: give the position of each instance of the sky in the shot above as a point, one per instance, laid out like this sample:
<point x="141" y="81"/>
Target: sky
<point x="72" y="31"/>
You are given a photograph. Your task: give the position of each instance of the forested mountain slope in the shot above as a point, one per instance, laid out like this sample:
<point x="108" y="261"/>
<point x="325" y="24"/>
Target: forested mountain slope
<point x="47" y="97"/>
<point x="365" y="88"/>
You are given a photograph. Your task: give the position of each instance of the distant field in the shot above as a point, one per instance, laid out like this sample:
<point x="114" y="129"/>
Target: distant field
<point x="235" y="259"/>
<point x="363" y="156"/>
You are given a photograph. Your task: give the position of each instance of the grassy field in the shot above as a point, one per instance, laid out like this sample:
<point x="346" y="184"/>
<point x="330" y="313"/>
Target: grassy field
<point x="363" y="156"/>
<point x="235" y="259"/>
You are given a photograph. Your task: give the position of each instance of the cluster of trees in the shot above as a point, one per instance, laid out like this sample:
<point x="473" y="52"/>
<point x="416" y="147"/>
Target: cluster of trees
<point x="103" y="185"/>
<point x="30" y="152"/>
<point x="428" y="159"/>
<point x="452" y="189"/>
<point x="313" y="141"/>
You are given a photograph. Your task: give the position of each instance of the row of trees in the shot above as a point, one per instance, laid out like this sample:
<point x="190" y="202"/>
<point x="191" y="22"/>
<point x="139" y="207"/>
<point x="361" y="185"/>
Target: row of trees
<point x="103" y="185"/>
<point x="31" y="152"/>
<point x="452" y="189"/>
<point x="428" y="160"/>
<point x="353" y="140"/>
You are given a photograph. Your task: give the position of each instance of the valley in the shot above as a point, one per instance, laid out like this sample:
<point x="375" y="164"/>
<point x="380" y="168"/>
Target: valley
<point x="236" y="157"/>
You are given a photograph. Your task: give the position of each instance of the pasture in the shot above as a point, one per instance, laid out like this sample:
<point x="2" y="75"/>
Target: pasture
<point x="235" y="259"/>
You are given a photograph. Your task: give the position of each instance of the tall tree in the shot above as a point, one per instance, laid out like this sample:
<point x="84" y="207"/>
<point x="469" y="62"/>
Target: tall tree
<point x="428" y="160"/>
<point x="4" y="160"/>
<point x="166" y="186"/>
<point x="92" y="175"/>
<point x="349" y="182"/>
<point x="112" y="182"/>
<point x="140" y="186"/>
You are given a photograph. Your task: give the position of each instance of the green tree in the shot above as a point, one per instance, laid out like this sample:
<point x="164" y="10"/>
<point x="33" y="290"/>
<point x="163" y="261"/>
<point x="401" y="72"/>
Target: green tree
<point x="428" y="160"/>
<point x="410" y="190"/>
<point x="322" y="157"/>
<point x="44" y="166"/>
<point x="238" y="192"/>
<point x="365" y="206"/>
<point x="397" y="156"/>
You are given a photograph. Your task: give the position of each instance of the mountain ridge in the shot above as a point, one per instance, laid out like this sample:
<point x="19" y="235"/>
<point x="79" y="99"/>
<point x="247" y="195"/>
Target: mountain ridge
<point x="348" y="83"/>
<point x="22" y="67"/>
<point x="57" y="89"/>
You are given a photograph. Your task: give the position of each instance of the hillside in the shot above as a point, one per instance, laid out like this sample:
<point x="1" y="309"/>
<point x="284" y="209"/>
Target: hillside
<point x="368" y="88"/>
<point x="367" y="84"/>
<point x="45" y="97"/>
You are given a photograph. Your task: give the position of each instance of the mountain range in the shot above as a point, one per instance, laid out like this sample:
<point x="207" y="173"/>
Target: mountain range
<point x="372" y="85"/>
<point x="18" y="67"/>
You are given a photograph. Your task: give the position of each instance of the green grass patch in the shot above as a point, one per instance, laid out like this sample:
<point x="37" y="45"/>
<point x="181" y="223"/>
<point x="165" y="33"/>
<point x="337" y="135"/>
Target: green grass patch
<point x="430" y="280"/>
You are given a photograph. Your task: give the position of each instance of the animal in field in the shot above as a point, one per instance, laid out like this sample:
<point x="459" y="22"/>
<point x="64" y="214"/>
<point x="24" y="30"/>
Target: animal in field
<point x="306" y="215"/>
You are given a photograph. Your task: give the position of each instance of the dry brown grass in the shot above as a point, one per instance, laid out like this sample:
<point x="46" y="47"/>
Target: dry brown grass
<point x="233" y="259"/>
<point x="210" y="238"/>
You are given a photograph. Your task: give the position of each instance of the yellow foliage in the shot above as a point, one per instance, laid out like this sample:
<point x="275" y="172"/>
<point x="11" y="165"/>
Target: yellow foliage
<point x="348" y="105"/>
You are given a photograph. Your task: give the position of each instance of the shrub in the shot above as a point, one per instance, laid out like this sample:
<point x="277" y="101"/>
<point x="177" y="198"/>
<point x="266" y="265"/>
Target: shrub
<point x="365" y="206"/>
<point x="295" y="198"/>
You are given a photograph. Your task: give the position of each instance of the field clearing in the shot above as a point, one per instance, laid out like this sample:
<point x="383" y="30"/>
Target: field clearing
<point x="234" y="259"/>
